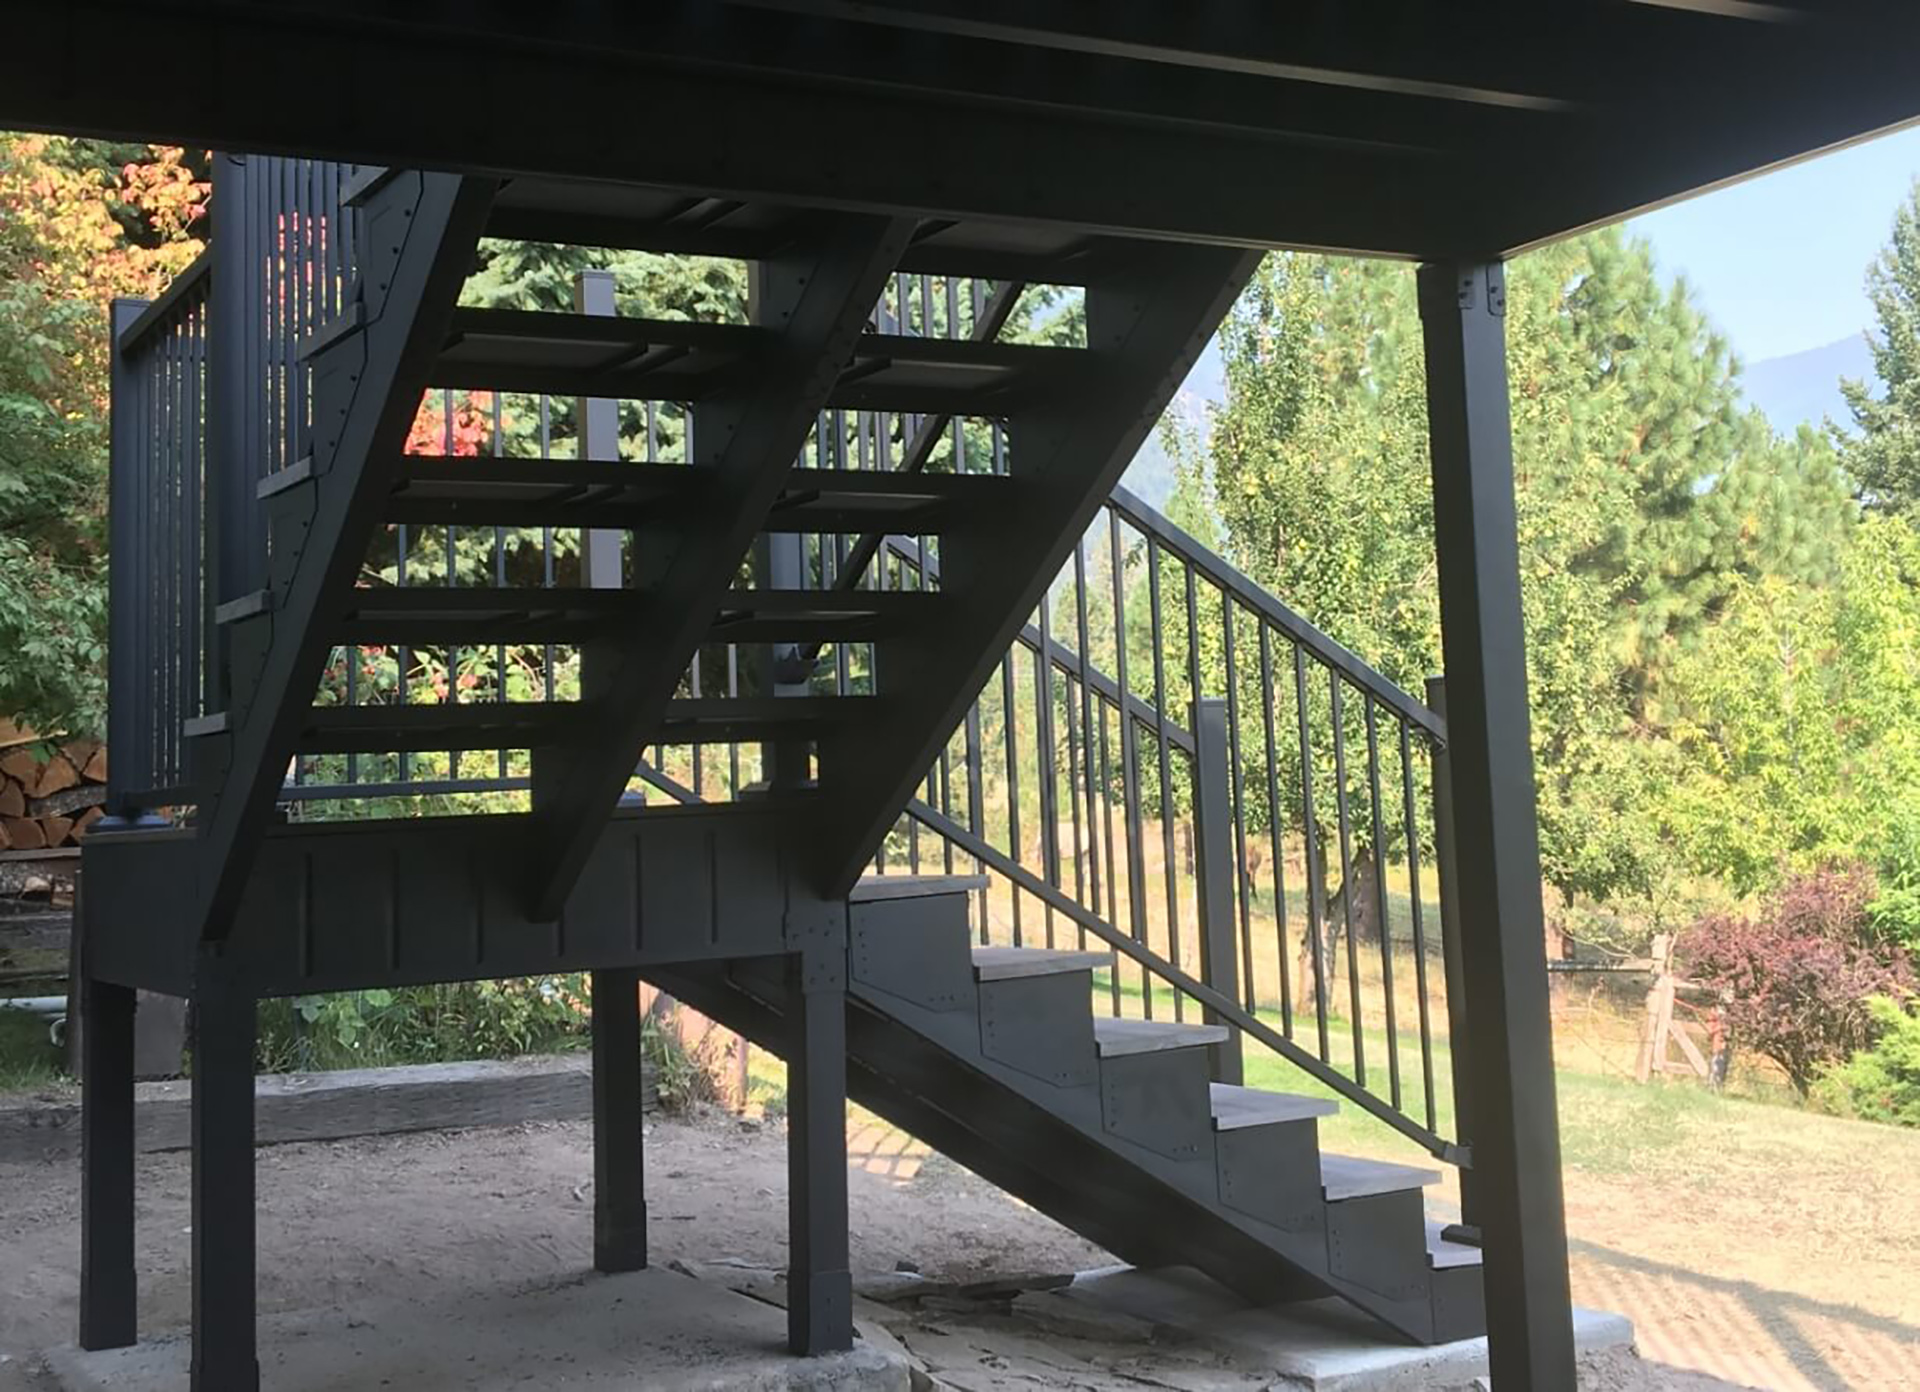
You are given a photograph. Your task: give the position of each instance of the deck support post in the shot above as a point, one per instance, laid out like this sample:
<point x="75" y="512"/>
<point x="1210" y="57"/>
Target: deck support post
<point x="224" y="1358"/>
<point x="1516" y="1139"/>
<point x="619" y="1161"/>
<point x="819" y="1279"/>
<point x="109" y="1314"/>
<point x="1213" y="831"/>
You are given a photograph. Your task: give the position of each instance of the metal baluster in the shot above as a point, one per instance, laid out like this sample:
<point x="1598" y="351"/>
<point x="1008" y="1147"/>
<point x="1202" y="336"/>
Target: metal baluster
<point x="1267" y="698"/>
<point x="1419" y="928"/>
<point x="1163" y="738"/>
<point x="1086" y="715"/>
<point x="1044" y="757"/>
<point x="1010" y="748"/>
<point x="1106" y="828"/>
<point x="1380" y="898"/>
<point x="1129" y="761"/>
<point x="1338" y="719"/>
<point x="976" y="819"/>
<point x="1242" y="881"/>
<point x="1316" y="870"/>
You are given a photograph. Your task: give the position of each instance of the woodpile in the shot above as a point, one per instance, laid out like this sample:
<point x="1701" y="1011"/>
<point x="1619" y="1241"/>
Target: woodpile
<point x="48" y="796"/>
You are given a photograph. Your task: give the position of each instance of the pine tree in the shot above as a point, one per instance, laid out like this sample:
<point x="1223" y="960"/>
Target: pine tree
<point x="1884" y="457"/>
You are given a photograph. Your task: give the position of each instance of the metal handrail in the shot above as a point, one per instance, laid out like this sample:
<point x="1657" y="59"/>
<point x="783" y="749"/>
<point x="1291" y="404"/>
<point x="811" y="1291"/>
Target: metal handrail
<point x="1250" y="593"/>
<point x="1229" y="1011"/>
<point x="188" y="283"/>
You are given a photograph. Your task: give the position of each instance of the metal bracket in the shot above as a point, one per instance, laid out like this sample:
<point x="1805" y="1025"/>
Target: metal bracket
<point x="815" y="931"/>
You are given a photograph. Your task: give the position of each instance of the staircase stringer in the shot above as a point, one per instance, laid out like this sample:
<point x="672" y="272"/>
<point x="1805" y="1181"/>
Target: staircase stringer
<point x="416" y="237"/>
<point x="815" y="297"/>
<point x="1145" y="329"/>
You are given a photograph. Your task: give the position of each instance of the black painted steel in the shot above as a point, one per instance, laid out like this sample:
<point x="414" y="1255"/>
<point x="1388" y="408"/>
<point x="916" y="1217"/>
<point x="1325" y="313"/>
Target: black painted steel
<point x="819" y="1280"/>
<point x="619" y="1159"/>
<point x="109" y="1285"/>
<point x="224" y="1358"/>
<point x="1516" y="1141"/>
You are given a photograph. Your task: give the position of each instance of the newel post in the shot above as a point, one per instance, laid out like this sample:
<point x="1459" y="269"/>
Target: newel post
<point x="1459" y="1016"/>
<point x="1213" y="861"/>
<point x="1496" y="839"/>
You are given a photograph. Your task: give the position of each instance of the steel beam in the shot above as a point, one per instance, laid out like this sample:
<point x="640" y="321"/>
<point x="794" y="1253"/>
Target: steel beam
<point x="1516" y="1139"/>
<point x="748" y="437"/>
<point x="434" y="223"/>
<point x="1144" y="331"/>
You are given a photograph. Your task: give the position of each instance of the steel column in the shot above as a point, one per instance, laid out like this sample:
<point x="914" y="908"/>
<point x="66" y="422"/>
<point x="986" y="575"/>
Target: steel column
<point x="108" y="1282"/>
<point x="619" y="1161"/>
<point x="819" y="1280"/>
<point x="1213" y="882"/>
<point x="1516" y="1141"/>
<point x="223" y="1181"/>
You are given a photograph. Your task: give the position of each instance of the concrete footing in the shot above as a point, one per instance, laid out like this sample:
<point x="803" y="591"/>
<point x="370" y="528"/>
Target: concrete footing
<point x="654" y="1329"/>
<point x="1325" y="1345"/>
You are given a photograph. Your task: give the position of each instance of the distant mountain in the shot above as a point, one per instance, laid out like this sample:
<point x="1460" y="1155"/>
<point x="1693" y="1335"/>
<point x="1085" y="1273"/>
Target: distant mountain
<point x="1804" y="387"/>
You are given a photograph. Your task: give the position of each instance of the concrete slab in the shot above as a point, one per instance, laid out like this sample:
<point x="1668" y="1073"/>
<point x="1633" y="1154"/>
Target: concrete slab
<point x="1323" y="1344"/>
<point x="657" y="1330"/>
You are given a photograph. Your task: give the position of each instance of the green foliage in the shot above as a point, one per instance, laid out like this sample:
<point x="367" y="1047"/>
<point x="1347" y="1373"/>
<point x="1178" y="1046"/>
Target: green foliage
<point x="1647" y="496"/>
<point x="80" y="222"/>
<point x="1885" y="456"/>
<point x="423" y="1024"/>
<point x="1795" y="724"/>
<point x="683" y="1078"/>
<point x="52" y="513"/>
<point x="1881" y="1083"/>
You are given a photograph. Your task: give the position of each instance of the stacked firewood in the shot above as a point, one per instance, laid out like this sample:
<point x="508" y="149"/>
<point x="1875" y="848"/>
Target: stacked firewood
<point x="49" y="793"/>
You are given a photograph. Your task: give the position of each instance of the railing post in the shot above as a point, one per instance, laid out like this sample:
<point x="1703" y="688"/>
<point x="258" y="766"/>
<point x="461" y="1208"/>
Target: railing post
<point x="599" y="421"/>
<point x="1516" y="1137"/>
<point x="234" y="337"/>
<point x="130" y="768"/>
<point x="1213" y="833"/>
<point x="1459" y="1019"/>
<point x="779" y="563"/>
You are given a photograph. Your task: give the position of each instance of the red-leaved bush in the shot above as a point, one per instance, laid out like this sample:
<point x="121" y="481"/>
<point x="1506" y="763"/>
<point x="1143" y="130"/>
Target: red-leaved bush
<point x="1798" y="975"/>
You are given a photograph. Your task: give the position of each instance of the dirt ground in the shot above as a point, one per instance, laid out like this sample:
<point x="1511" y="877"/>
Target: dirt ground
<point x="419" y="1217"/>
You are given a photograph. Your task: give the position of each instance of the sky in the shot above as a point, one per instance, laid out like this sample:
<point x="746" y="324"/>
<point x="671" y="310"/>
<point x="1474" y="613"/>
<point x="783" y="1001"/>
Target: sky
<point x="1779" y="261"/>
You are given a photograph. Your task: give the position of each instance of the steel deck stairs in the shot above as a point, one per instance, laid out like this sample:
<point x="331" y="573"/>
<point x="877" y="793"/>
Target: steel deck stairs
<point x="1112" y="1127"/>
<point x="992" y="1054"/>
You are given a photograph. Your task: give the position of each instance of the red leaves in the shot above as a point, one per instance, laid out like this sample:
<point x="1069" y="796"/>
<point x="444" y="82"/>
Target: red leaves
<point x="1799" y="974"/>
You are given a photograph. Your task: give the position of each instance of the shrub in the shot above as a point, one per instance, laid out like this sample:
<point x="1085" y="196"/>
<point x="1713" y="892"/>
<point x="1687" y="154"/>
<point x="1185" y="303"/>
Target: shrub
<point x="1883" y="1083"/>
<point x="424" y="1024"/>
<point x="1798" y="976"/>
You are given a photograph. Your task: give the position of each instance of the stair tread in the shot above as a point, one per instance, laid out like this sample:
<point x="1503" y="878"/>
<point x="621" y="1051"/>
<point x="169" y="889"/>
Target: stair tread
<point x="538" y="490"/>
<point x="478" y="725"/>
<point x="1443" y="1255"/>
<point x="475" y="615"/>
<point x="1235" y="1107"/>
<point x="1350" y="1177"/>
<point x="877" y="887"/>
<point x="1007" y="963"/>
<point x="517" y="350"/>
<point x="1116" y="1038"/>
